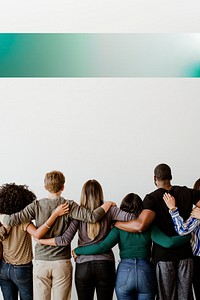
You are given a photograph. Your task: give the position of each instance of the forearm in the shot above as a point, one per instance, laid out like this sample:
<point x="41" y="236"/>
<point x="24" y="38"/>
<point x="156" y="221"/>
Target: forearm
<point x="130" y="226"/>
<point x="39" y="232"/>
<point x="181" y="227"/>
<point x="82" y="214"/>
<point x="99" y="248"/>
<point x="24" y="216"/>
<point x="138" y="225"/>
<point x="66" y="238"/>
<point x="168" y="242"/>
<point x="50" y="242"/>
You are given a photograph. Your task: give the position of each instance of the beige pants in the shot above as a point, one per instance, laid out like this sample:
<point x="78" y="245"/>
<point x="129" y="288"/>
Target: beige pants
<point x="52" y="280"/>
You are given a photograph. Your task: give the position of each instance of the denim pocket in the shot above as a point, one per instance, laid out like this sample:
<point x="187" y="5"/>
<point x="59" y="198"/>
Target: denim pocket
<point x="122" y="277"/>
<point x="23" y="273"/>
<point x="147" y="279"/>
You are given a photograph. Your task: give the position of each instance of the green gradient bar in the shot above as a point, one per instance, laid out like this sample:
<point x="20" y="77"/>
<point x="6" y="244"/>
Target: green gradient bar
<point x="99" y="55"/>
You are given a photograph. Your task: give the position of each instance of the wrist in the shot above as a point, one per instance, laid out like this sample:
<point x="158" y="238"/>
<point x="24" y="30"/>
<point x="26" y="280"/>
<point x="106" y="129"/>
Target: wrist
<point x="47" y="225"/>
<point x="172" y="209"/>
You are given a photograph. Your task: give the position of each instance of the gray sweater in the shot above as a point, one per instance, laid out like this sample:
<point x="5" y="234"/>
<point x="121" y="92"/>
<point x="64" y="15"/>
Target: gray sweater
<point x="40" y="211"/>
<point x="114" y="214"/>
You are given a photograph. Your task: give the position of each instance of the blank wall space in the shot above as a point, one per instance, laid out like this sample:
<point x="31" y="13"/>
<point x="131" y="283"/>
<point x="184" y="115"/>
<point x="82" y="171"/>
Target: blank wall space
<point x="114" y="130"/>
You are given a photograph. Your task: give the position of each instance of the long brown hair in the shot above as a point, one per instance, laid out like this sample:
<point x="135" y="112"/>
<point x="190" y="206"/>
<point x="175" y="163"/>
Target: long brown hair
<point x="91" y="198"/>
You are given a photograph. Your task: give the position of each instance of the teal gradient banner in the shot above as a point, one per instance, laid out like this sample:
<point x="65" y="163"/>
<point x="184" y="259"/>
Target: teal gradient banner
<point x="99" y="55"/>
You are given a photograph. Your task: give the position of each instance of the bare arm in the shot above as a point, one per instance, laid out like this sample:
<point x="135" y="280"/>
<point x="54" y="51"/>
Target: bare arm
<point x="50" y="242"/>
<point x="40" y="232"/>
<point x="198" y="204"/>
<point x="138" y="225"/>
<point x="195" y="213"/>
<point x="63" y="240"/>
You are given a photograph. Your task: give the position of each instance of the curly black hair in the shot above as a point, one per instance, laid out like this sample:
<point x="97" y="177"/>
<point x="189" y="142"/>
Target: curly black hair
<point x="14" y="198"/>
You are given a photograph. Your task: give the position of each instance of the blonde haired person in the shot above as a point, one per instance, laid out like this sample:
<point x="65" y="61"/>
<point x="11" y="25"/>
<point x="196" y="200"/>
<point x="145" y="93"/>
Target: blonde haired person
<point x="52" y="269"/>
<point x="93" y="272"/>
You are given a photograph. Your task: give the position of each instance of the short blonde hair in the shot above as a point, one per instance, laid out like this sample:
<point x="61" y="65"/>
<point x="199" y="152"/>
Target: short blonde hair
<point x="54" y="181"/>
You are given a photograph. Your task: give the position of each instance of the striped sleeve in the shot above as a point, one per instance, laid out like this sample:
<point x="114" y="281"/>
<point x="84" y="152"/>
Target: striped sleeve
<point x="183" y="227"/>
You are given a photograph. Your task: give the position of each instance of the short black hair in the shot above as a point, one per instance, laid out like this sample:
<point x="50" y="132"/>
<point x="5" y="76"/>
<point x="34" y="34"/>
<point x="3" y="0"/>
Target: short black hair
<point x="14" y="198"/>
<point x="163" y="172"/>
<point x="132" y="203"/>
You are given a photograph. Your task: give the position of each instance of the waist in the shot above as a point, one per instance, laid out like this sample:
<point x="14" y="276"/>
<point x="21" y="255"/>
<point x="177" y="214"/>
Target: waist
<point x="135" y="260"/>
<point x="17" y="265"/>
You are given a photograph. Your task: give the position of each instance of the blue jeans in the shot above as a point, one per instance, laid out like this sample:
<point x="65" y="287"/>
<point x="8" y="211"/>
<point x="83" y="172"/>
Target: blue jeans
<point x="136" y="279"/>
<point x="96" y="274"/>
<point x="16" y="279"/>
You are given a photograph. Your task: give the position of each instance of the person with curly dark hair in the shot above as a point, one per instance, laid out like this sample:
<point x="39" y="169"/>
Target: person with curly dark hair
<point x="52" y="268"/>
<point x="16" y="266"/>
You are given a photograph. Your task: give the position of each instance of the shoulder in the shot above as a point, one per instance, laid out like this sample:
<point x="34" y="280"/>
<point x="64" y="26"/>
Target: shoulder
<point x="153" y="196"/>
<point x="71" y="203"/>
<point x="153" y="200"/>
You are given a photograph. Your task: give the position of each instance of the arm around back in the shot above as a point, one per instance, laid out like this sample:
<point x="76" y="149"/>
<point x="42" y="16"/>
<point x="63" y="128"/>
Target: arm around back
<point x="166" y="241"/>
<point x="81" y="213"/>
<point x="24" y="216"/>
<point x="138" y="225"/>
<point x="102" y="247"/>
<point x="44" y="228"/>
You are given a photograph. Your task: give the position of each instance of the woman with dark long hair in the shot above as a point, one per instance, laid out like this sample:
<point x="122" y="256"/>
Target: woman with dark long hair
<point x="135" y="273"/>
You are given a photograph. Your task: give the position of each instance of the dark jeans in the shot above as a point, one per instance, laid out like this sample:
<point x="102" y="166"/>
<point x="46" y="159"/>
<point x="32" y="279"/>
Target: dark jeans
<point x="196" y="277"/>
<point x="136" y="279"/>
<point x="16" y="279"/>
<point x="97" y="274"/>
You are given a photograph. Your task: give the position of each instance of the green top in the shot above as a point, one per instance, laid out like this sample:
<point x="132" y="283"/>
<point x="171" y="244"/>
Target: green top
<point x="133" y="245"/>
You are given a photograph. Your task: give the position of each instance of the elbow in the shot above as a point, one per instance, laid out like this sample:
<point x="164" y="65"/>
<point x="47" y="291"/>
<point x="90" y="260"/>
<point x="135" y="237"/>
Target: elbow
<point x="141" y="227"/>
<point x="37" y="236"/>
<point x="95" y="218"/>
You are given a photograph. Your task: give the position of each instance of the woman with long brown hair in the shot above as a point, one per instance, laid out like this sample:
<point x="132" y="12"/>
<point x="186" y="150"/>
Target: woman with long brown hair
<point x="93" y="272"/>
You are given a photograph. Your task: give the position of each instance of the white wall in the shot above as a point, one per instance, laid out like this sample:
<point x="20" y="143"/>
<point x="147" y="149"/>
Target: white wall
<point x="114" y="130"/>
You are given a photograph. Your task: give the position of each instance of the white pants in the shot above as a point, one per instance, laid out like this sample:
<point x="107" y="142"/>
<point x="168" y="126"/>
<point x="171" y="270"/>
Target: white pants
<point x="52" y="279"/>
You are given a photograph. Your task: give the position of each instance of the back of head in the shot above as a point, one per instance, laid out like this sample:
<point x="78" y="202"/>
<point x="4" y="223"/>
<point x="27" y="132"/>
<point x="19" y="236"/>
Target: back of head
<point x="197" y="185"/>
<point x="132" y="203"/>
<point x="163" y="172"/>
<point x="91" y="198"/>
<point x="54" y="181"/>
<point x="91" y="194"/>
<point x="14" y="198"/>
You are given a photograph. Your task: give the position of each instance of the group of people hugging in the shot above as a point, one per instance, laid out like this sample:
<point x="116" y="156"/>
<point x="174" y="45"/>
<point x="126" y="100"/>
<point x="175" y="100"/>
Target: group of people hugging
<point x="157" y="237"/>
